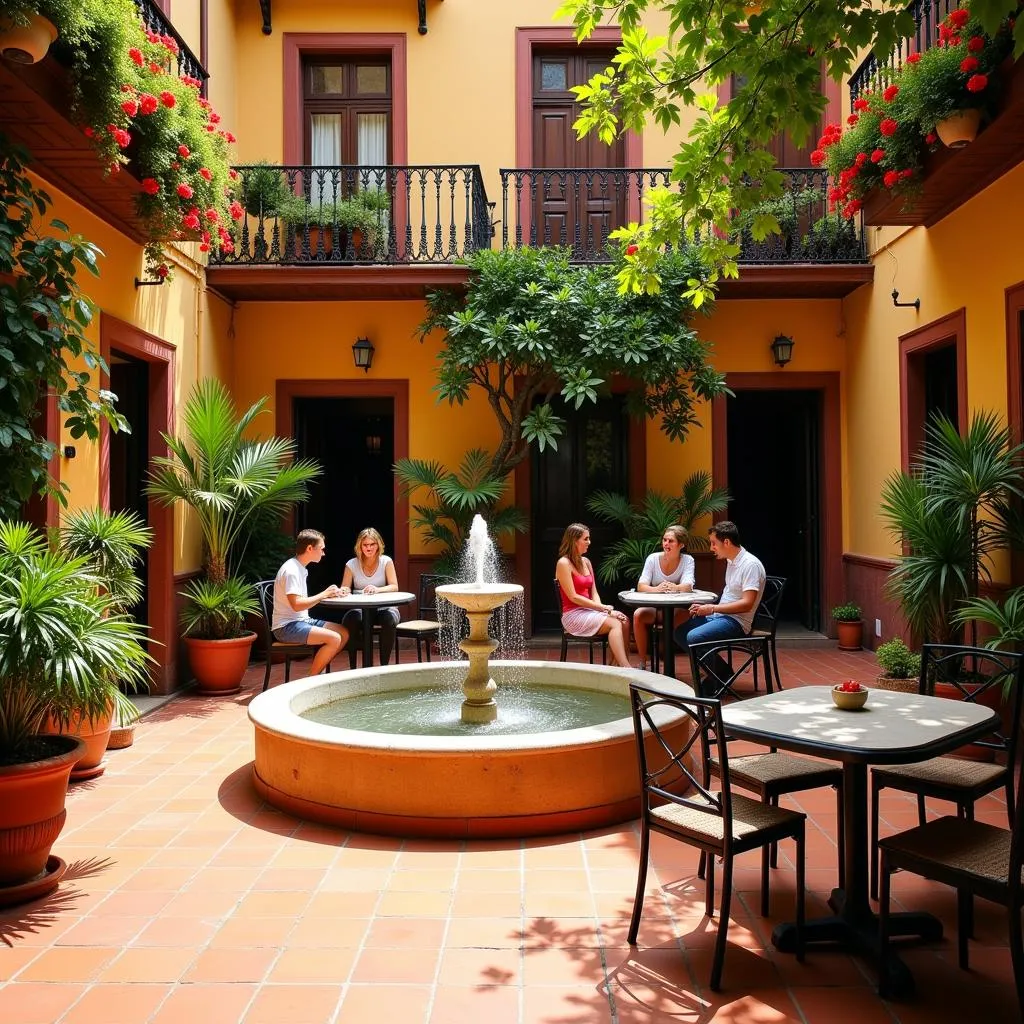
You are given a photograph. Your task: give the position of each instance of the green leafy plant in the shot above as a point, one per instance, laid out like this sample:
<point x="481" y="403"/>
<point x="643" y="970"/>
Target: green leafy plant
<point x="848" y="612"/>
<point x="897" y="660"/>
<point x="44" y="342"/>
<point x="62" y="641"/>
<point x="1006" y="620"/>
<point x="226" y="480"/>
<point x="261" y="547"/>
<point x="644" y="524"/>
<point x="452" y="499"/>
<point x="263" y="189"/>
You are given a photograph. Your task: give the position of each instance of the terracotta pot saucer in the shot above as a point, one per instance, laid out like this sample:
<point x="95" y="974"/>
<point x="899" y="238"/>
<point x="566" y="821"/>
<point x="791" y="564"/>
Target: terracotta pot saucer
<point x="217" y="693"/>
<point x="42" y="885"/>
<point x="81" y="774"/>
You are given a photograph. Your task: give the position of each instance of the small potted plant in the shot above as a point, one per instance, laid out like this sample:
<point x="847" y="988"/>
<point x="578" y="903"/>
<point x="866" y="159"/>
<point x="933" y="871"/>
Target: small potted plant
<point x="849" y="626"/>
<point x="900" y="666"/>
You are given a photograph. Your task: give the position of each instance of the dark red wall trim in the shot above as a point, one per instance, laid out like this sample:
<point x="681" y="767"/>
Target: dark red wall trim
<point x="1014" y="396"/>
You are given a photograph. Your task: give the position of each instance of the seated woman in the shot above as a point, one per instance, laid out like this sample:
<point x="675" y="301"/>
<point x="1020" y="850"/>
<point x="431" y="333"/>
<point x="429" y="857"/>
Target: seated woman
<point x="582" y="610"/>
<point x="670" y="572"/>
<point x="371" y="572"/>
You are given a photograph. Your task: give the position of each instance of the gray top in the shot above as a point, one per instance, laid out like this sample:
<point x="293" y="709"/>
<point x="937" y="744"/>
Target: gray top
<point x="891" y="728"/>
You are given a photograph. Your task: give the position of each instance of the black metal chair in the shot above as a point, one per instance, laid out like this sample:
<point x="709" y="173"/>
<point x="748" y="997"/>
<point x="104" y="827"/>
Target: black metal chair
<point x="674" y="738"/>
<point x="975" y="674"/>
<point x="573" y="638"/>
<point x="715" y="667"/>
<point x="291" y="652"/>
<point x="425" y="629"/>
<point x="766" y="622"/>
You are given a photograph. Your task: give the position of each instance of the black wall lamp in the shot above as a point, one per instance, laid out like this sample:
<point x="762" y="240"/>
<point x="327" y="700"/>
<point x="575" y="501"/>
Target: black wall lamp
<point x="782" y="349"/>
<point x="362" y="353"/>
<point x="896" y="301"/>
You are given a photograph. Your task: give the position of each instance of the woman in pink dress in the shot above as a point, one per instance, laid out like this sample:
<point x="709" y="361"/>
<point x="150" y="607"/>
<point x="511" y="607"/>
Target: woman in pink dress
<point x="582" y="610"/>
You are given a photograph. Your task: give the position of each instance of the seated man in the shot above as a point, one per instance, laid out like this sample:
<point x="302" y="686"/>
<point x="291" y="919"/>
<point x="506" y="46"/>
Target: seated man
<point x="292" y="623"/>
<point x="733" y="615"/>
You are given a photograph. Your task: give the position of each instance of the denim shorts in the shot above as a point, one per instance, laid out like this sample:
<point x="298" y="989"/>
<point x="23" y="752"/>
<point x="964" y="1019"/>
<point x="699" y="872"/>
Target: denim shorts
<point x="297" y="631"/>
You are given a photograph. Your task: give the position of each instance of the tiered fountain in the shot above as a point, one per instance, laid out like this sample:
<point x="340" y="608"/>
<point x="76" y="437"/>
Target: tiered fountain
<point x="384" y="750"/>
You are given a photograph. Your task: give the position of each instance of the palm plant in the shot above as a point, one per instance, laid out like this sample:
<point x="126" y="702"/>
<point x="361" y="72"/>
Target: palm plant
<point x="644" y="525"/>
<point x="62" y="641"/>
<point x="453" y="499"/>
<point x="226" y="480"/>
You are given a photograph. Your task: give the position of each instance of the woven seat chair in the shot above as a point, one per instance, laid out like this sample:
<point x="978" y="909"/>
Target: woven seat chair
<point x="766" y="622"/>
<point x="976" y="859"/>
<point x="675" y="735"/>
<point x="715" y="667"/>
<point x="426" y="628"/>
<point x="957" y="779"/>
<point x="291" y="652"/>
<point x="573" y="638"/>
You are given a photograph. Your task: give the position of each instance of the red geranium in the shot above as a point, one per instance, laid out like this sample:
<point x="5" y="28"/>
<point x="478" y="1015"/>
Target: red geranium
<point x="184" y="191"/>
<point x="959" y="17"/>
<point x="977" y="83"/>
<point x="237" y="213"/>
<point x="204" y="173"/>
<point x="976" y="44"/>
<point x="860" y="104"/>
<point x="136" y="56"/>
<point x="969" y="64"/>
<point x="183" y="151"/>
<point x="148" y="103"/>
<point x="890" y="178"/>
<point x="818" y="157"/>
<point x="852" y="119"/>
<point x="163" y="270"/>
<point x="877" y="155"/>
<point x="191" y="221"/>
<point x="888" y="127"/>
<point x="891" y="93"/>
<point x="913" y="58"/>
<point x="632" y="250"/>
<point x="130" y="107"/>
<point x="931" y="138"/>
<point x="168" y="99"/>
<point x="150" y="186"/>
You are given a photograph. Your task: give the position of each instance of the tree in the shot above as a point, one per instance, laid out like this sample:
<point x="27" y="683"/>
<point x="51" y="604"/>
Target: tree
<point x="776" y="51"/>
<point x="43" y="320"/>
<point x="531" y="326"/>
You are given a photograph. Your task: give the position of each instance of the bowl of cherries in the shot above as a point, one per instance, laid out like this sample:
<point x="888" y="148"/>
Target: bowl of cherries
<point x="849" y="695"/>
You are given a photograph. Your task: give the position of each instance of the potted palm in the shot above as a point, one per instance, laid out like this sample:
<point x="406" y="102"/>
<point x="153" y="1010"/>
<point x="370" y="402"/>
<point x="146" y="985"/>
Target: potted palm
<point x="61" y="643"/>
<point x="900" y="666"/>
<point x="849" y="626"/>
<point x="225" y="479"/>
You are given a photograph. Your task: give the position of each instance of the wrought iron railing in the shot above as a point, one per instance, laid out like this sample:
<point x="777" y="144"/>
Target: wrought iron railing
<point x="156" y="21"/>
<point x="876" y="74"/>
<point x="579" y="208"/>
<point x="360" y="215"/>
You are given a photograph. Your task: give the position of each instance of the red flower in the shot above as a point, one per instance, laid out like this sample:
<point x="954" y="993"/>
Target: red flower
<point x="908" y="173"/>
<point x="237" y="212"/>
<point x="184" y="152"/>
<point x="88" y="132"/>
<point x="976" y="44"/>
<point x="913" y="58"/>
<point x="890" y="178"/>
<point x="205" y="174"/>
<point x="818" y="157"/>
<point x="205" y="236"/>
<point x="121" y="137"/>
<point x="233" y="174"/>
<point x="888" y="127"/>
<point x="632" y="250"/>
<point x="209" y="127"/>
<point x="184" y="191"/>
<point x="877" y="155"/>
<point x="852" y="119"/>
<point x="890" y="93"/>
<point x="168" y="99"/>
<point x="860" y="159"/>
<point x="191" y="221"/>
<point x="204" y="246"/>
<point x="130" y="107"/>
<point x="170" y="44"/>
<point x="977" y="83"/>
<point x="162" y="271"/>
<point x="152" y="36"/>
<point x="150" y="186"/>
<point x="228" y="137"/>
<point x="852" y="207"/>
<point x="931" y="138"/>
<point x="211" y="215"/>
<point x="155" y="68"/>
<point x="969" y="64"/>
<point x="148" y="103"/>
<point x="214" y="117"/>
<point x="136" y="56"/>
<point x="959" y="17"/>
<point x="860" y="104"/>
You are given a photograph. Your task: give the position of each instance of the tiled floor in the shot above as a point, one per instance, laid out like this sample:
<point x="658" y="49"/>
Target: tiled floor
<point x="188" y="901"/>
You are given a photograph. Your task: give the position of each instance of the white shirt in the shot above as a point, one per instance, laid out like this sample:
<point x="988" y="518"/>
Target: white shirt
<point x="652" y="574"/>
<point x="290" y="579"/>
<point x="743" y="573"/>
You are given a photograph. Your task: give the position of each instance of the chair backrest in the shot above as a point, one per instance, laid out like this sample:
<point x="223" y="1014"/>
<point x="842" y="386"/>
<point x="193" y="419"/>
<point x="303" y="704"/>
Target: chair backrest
<point x="980" y="675"/>
<point x="767" y="615"/>
<point x="716" y="665"/>
<point x="558" y="602"/>
<point x="429" y="582"/>
<point x="675" y="736"/>
<point x="265" y="592"/>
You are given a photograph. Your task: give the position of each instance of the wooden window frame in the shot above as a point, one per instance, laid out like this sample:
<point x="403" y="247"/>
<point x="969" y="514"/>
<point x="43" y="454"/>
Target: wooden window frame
<point x="349" y="104"/>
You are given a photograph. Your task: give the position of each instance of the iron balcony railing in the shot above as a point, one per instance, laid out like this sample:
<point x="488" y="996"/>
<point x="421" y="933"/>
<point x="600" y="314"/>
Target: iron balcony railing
<point x="579" y="208"/>
<point x="360" y="215"/>
<point x="156" y="21"/>
<point x="876" y="74"/>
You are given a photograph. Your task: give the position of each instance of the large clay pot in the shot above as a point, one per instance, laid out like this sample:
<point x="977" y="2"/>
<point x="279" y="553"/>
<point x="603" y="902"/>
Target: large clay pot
<point x="850" y="635"/>
<point x="218" y="665"/>
<point x="960" y="129"/>
<point x="31" y="817"/>
<point x="991" y="698"/>
<point x="26" y="44"/>
<point x="94" y="733"/>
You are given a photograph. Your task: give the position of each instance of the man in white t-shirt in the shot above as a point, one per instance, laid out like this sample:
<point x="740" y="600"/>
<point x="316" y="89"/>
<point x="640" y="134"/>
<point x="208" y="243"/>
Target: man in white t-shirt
<point x="733" y="615"/>
<point x="292" y="623"/>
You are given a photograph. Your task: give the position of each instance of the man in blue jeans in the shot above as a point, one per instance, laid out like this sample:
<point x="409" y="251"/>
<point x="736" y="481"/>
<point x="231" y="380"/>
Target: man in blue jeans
<point x="733" y="615"/>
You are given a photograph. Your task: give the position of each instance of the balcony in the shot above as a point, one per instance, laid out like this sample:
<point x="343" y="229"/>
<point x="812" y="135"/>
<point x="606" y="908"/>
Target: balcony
<point x="35" y="111"/>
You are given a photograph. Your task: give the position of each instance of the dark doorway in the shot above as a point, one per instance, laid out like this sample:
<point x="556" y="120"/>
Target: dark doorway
<point x="593" y="455"/>
<point x="353" y="439"/>
<point x="940" y="383"/>
<point x="775" y="479"/>
<point x="129" y="454"/>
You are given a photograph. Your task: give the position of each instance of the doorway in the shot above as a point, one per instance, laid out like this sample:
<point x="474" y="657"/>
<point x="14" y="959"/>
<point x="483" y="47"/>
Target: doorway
<point x="776" y="483"/>
<point x="592" y="455"/>
<point x="353" y="439"/>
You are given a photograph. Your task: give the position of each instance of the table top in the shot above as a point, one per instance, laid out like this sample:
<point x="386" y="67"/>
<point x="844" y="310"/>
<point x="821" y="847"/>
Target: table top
<point x="891" y="728"/>
<point x="361" y="600"/>
<point x="679" y="597"/>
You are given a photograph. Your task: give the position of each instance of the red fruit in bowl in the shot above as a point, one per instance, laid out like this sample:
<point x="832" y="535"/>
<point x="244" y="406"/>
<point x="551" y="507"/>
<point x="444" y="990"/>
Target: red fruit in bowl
<point x="850" y="686"/>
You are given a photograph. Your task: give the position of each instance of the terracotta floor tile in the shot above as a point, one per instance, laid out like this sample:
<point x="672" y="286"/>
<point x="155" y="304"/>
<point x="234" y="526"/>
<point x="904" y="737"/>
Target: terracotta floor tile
<point x="148" y="965"/>
<point x="293" y="1004"/>
<point x="472" y="1005"/>
<point x="492" y="904"/>
<point x="485" y="932"/>
<point x="117" y="1004"/>
<point x="481" y="967"/>
<point x="254" y="931"/>
<point x="414" y="904"/>
<point x="230" y="965"/>
<point x="12" y="960"/>
<point x="190" y="1004"/>
<point x="411" y="933"/>
<point x="69" y="964"/>
<point x="551" y="1003"/>
<point x="177" y="931"/>
<point x="841" y="1006"/>
<point x="563" y="967"/>
<point x="313" y="966"/>
<point x="325" y="932"/>
<point x="405" y="1003"/>
<point x="395" y="967"/>
<point x="490" y="880"/>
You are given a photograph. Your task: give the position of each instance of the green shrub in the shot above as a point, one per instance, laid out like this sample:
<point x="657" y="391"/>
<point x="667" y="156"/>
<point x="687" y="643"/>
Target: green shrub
<point x="848" y="612"/>
<point x="897" y="660"/>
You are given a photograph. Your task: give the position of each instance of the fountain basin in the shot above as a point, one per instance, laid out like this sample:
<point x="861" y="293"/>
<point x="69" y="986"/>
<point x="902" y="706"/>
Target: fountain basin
<point x="454" y="786"/>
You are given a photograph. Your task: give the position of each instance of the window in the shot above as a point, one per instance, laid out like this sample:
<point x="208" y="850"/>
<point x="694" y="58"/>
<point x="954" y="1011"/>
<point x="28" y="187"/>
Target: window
<point x="347" y="111"/>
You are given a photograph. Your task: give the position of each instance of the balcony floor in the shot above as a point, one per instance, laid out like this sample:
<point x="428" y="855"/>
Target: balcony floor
<point x="188" y="900"/>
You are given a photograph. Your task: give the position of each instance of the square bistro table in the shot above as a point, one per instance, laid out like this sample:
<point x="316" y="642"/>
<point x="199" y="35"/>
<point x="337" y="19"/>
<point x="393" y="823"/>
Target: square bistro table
<point x="891" y="728"/>
<point x="665" y="604"/>
<point x="368" y="604"/>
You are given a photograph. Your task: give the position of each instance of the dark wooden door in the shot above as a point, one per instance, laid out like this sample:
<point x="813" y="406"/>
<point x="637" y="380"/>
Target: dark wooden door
<point x="787" y="153"/>
<point x="592" y="455"/>
<point x="572" y="208"/>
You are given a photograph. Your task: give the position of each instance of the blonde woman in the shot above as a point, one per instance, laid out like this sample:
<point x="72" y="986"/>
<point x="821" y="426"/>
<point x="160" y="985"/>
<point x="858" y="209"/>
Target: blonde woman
<point x="371" y="572"/>
<point x="670" y="571"/>
<point x="582" y="610"/>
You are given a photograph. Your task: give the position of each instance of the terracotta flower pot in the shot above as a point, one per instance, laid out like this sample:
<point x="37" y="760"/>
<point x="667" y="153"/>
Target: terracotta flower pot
<point x="218" y="665"/>
<point x="991" y="698"/>
<point x="26" y="44"/>
<point x="850" y="635"/>
<point x="31" y="817"/>
<point x="94" y="733"/>
<point x="960" y="129"/>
